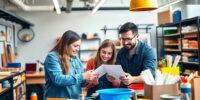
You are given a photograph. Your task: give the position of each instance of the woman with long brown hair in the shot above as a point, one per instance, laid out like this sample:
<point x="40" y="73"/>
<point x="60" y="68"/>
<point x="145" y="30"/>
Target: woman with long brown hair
<point x="63" y="70"/>
<point x="106" y="54"/>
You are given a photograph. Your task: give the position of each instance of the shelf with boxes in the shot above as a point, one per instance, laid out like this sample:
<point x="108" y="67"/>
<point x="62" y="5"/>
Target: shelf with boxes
<point x="190" y="43"/>
<point x="12" y="80"/>
<point x="183" y="39"/>
<point x="13" y="85"/>
<point x="168" y="40"/>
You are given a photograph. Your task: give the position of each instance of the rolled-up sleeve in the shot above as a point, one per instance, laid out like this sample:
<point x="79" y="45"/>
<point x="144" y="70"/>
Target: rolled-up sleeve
<point x="82" y="80"/>
<point x="54" y="70"/>
<point x="149" y="60"/>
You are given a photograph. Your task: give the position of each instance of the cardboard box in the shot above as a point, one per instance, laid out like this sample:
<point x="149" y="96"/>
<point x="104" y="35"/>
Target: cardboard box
<point x="165" y="17"/>
<point x="154" y="92"/>
<point x="196" y="88"/>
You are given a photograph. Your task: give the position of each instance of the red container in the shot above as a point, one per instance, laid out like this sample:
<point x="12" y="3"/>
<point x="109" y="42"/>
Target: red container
<point x="136" y="86"/>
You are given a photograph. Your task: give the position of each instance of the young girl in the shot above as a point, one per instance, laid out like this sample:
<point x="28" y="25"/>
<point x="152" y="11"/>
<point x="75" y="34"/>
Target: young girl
<point x="106" y="54"/>
<point x="63" y="70"/>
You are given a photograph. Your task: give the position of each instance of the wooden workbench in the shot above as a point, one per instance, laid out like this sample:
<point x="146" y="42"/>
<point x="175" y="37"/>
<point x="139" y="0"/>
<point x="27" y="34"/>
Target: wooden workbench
<point x="35" y="78"/>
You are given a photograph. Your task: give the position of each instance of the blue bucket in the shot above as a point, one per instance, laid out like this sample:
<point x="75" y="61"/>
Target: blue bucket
<point x="115" y="94"/>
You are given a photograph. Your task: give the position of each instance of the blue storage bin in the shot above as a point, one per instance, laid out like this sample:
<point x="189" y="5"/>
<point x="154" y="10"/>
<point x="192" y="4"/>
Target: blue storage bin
<point x="177" y="16"/>
<point x="14" y="65"/>
<point x="115" y="94"/>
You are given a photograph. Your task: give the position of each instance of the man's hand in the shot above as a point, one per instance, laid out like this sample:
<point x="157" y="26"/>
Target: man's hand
<point x="127" y="79"/>
<point x="115" y="82"/>
<point x="110" y="78"/>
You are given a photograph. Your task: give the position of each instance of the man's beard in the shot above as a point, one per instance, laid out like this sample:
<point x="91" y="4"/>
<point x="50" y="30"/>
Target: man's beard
<point x="130" y="45"/>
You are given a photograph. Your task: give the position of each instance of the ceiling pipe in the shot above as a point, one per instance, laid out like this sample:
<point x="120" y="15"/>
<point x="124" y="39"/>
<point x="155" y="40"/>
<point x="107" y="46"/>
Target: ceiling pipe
<point x="2" y="5"/>
<point x="25" y="7"/>
<point x="101" y="8"/>
<point x="97" y="6"/>
<point x="166" y="5"/>
<point x="192" y="2"/>
<point x="57" y="6"/>
<point x="69" y="6"/>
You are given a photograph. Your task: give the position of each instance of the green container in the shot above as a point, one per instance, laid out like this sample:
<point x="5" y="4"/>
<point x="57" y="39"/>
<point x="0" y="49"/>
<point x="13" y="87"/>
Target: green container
<point x="170" y="31"/>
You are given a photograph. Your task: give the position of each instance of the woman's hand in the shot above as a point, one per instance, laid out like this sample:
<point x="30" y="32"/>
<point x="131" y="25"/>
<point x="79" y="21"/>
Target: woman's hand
<point x="94" y="80"/>
<point x="87" y="75"/>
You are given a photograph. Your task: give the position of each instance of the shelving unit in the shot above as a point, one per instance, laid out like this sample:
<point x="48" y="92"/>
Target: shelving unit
<point x="88" y="49"/>
<point x="168" y="43"/>
<point x="13" y="18"/>
<point x="16" y="90"/>
<point x="188" y="31"/>
<point x="192" y="36"/>
<point x="143" y="29"/>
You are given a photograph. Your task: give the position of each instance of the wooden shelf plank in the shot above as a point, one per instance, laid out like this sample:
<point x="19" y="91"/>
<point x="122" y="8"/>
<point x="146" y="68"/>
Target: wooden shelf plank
<point x="191" y="32"/>
<point x="193" y="63"/>
<point x="173" y="44"/>
<point x="3" y="90"/>
<point x="169" y="35"/>
<point x="91" y="39"/>
<point x="18" y="84"/>
<point x="172" y="50"/>
<point x="118" y="47"/>
<point x="190" y="49"/>
<point x="193" y="37"/>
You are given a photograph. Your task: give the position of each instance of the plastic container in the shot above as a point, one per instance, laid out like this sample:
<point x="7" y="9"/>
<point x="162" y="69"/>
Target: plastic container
<point x="14" y="65"/>
<point x="115" y="94"/>
<point x="186" y="91"/>
<point x="34" y="96"/>
<point x="5" y="84"/>
<point x="177" y="16"/>
<point x="170" y="31"/>
<point x="136" y="86"/>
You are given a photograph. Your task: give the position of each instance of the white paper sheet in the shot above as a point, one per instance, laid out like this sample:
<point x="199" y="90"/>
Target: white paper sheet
<point x="113" y="70"/>
<point x="100" y="71"/>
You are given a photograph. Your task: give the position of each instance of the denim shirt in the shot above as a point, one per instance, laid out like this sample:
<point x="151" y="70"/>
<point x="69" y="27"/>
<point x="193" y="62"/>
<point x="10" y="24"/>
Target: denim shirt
<point x="59" y="85"/>
<point x="144" y="58"/>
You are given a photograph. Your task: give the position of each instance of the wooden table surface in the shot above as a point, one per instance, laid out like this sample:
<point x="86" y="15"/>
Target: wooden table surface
<point x="35" y="78"/>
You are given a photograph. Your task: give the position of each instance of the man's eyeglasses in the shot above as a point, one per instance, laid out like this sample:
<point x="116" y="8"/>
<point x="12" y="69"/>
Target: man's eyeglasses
<point x="128" y="39"/>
